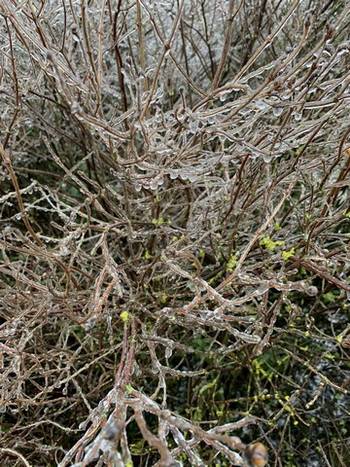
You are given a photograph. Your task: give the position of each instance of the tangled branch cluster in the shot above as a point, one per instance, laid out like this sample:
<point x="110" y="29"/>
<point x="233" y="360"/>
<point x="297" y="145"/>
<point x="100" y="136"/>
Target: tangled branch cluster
<point x="174" y="232"/>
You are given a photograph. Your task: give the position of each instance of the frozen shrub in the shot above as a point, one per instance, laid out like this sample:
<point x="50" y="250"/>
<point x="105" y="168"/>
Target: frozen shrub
<point x="174" y="232"/>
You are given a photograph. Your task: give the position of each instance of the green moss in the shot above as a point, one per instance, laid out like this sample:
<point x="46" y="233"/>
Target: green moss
<point x="329" y="297"/>
<point x="231" y="263"/>
<point x="158" y="222"/>
<point x="124" y="316"/>
<point x="287" y="254"/>
<point x="270" y="244"/>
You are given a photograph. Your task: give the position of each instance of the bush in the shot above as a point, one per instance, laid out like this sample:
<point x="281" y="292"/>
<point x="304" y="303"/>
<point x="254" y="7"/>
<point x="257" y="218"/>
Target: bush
<point x="174" y="232"/>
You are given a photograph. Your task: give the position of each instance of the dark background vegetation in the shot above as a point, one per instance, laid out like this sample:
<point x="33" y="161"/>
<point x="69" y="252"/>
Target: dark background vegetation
<point x="174" y="232"/>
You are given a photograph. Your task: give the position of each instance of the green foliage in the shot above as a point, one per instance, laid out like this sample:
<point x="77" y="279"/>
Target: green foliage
<point x="231" y="263"/>
<point x="125" y="316"/>
<point x="270" y="244"/>
<point x="287" y="254"/>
